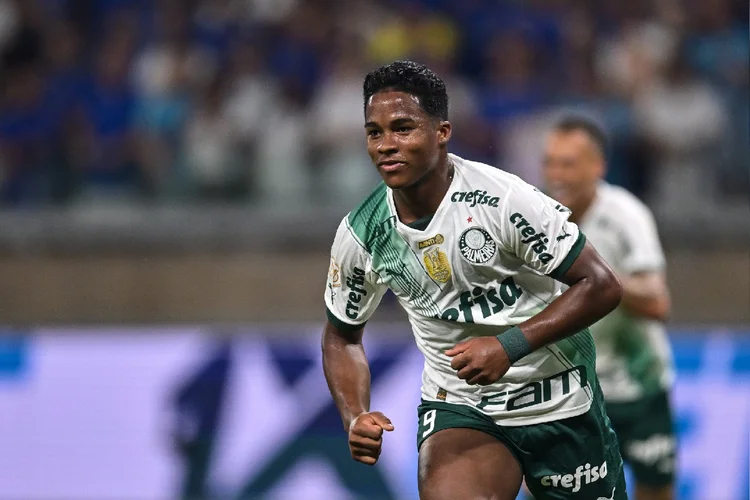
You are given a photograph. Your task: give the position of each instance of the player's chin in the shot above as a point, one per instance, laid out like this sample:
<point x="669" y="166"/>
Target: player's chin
<point x="396" y="180"/>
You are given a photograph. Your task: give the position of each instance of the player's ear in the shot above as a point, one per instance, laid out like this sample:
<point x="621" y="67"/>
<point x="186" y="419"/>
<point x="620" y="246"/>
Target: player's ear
<point x="444" y="132"/>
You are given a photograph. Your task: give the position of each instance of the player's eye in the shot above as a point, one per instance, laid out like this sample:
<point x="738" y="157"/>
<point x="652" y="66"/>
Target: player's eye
<point x="373" y="133"/>
<point x="403" y="129"/>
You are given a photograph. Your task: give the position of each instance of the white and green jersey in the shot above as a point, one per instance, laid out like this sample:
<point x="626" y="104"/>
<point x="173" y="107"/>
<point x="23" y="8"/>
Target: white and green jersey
<point x="485" y="261"/>
<point x="633" y="354"/>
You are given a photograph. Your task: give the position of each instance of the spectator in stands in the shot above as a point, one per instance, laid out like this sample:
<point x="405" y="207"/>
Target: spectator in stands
<point x="336" y="134"/>
<point x="683" y="119"/>
<point x="107" y="166"/>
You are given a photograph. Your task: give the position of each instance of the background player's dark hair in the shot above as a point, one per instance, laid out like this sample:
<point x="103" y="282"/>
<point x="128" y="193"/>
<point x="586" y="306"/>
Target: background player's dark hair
<point x="413" y="78"/>
<point x="572" y="123"/>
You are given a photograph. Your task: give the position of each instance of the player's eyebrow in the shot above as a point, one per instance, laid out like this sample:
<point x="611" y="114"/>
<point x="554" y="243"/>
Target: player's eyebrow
<point x="402" y="121"/>
<point x="393" y="123"/>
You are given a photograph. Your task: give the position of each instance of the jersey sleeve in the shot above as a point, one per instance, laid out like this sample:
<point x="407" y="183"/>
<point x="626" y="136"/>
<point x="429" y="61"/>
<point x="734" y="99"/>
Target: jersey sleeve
<point x="353" y="291"/>
<point x="537" y="230"/>
<point x="643" y="251"/>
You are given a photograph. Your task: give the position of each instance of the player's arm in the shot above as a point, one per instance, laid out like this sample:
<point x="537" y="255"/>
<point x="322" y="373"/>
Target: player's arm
<point x="594" y="291"/>
<point x="646" y="295"/>
<point x="346" y="370"/>
<point x="352" y="294"/>
<point x="536" y="230"/>
<point x="644" y="283"/>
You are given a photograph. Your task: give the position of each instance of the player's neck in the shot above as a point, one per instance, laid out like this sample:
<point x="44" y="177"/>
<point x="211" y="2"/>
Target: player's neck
<point x="423" y="198"/>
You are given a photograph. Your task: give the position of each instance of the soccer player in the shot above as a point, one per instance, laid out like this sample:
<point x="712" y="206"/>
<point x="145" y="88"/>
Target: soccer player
<point x="477" y="258"/>
<point x="633" y="355"/>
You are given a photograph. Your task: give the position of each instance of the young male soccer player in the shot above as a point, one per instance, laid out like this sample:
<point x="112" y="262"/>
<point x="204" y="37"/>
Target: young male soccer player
<point x="476" y="257"/>
<point x="633" y="356"/>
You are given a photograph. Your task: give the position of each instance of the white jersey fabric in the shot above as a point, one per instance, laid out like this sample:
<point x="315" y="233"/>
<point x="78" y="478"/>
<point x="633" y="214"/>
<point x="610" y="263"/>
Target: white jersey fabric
<point x="633" y="354"/>
<point x="481" y="265"/>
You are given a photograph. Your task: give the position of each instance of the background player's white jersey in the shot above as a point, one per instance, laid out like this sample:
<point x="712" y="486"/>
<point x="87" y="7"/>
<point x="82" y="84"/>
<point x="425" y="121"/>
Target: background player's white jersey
<point x="479" y="266"/>
<point x="633" y="354"/>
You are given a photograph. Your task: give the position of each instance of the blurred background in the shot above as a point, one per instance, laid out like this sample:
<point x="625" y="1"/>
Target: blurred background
<point x="172" y="173"/>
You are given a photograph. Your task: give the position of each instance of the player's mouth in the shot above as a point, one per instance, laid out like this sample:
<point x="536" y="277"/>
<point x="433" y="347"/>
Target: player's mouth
<point x="391" y="165"/>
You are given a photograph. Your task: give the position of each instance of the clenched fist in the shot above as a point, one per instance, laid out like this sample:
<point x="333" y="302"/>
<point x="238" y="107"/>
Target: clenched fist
<point x="366" y="436"/>
<point x="480" y="360"/>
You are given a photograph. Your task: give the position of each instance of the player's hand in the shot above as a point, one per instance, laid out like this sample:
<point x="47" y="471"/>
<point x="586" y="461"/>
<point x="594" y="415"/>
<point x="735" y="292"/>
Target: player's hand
<point x="480" y="360"/>
<point x="366" y="436"/>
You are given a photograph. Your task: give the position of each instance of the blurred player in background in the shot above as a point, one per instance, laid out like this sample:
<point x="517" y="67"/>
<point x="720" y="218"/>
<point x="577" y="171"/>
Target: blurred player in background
<point x="477" y="258"/>
<point x="633" y="355"/>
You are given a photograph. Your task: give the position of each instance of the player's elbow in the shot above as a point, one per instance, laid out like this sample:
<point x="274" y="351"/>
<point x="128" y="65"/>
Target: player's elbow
<point x="607" y="289"/>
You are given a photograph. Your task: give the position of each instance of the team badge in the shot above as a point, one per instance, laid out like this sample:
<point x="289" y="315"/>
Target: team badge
<point x="334" y="278"/>
<point x="476" y="245"/>
<point x="436" y="263"/>
<point x="334" y="274"/>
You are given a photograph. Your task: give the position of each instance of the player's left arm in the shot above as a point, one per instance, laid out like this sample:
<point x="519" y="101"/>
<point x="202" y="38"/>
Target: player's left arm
<point x="643" y="276"/>
<point x="594" y="291"/>
<point x="536" y="229"/>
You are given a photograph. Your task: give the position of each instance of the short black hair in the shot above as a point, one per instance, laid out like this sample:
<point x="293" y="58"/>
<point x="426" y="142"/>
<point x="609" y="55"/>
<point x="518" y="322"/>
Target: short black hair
<point x="412" y="78"/>
<point x="571" y="123"/>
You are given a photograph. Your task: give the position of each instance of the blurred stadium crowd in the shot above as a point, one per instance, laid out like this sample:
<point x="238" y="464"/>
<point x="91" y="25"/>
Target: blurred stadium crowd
<point x="260" y="100"/>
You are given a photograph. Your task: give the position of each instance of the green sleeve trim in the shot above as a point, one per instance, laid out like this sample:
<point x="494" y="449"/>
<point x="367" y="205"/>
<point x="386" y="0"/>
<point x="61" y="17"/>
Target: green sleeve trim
<point x="341" y="325"/>
<point x="573" y="254"/>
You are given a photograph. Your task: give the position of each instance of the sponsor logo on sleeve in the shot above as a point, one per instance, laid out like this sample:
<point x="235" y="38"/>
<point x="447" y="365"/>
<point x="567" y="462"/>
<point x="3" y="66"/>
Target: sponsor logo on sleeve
<point x="538" y="241"/>
<point x="357" y="292"/>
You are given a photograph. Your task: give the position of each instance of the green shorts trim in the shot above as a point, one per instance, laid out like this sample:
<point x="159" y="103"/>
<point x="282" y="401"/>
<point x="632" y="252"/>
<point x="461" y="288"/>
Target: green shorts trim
<point x="646" y="433"/>
<point x="576" y="457"/>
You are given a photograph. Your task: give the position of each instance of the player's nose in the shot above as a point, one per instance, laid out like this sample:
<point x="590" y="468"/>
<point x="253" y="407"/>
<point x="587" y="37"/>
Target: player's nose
<point x="387" y="145"/>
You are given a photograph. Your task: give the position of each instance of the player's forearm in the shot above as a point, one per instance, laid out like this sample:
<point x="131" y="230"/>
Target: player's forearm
<point x="594" y="292"/>
<point x="645" y="296"/>
<point x="347" y="373"/>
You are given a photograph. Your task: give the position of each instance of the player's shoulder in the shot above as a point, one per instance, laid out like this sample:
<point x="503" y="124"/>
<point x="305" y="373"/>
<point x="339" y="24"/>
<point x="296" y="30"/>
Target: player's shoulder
<point x="367" y="217"/>
<point x="496" y="181"/>
<point x="619" y="201"/>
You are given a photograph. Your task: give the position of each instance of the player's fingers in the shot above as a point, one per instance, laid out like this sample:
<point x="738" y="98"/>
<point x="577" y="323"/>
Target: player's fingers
<point x="365" y="442"/>
<point x="468" y="372"/>
<point x="367" y="460"/>
<point x="458" y="348"/>
<point x="360" y="453"/>
<point x="460" y="361"/>
<point x="368" y="450"/>
<point x="383" y="421"/>
<point x="368" y="430"/>
<point x="478" y="379"/>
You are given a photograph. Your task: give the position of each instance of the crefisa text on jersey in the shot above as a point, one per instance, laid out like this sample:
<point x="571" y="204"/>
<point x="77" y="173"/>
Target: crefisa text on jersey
<point x="356" y="292"/>
<point x="475" y="198"/>
<point x="531" y="235"/>
<point x="490" y="301"/>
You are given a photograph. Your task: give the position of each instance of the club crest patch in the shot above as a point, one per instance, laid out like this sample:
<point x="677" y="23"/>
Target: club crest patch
<point x="476" y="245"/>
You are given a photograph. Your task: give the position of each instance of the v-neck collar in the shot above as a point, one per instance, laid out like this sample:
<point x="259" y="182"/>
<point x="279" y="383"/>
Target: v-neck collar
<point x="429" y="219"/>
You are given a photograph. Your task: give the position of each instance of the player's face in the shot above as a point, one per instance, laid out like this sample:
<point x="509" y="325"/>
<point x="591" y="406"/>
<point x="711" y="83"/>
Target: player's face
<point x="573" y="167"/>
<point x="403" y="141"/>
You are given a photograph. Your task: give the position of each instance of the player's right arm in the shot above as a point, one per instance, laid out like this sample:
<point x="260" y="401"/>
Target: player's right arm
<point x="352" y="295"/>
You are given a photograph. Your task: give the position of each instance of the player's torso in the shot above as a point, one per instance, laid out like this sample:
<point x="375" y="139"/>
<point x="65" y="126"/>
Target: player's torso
<point x="456" y="280"/>
<point x="455" y="271"/>
<point x="632" y="353"/>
